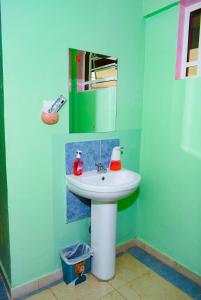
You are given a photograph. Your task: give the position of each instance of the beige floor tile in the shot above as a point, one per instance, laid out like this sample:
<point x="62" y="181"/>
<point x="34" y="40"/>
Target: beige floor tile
<point x="128" y="292"/>
<point x="45" y="295"/>
<point x="173" y="293"/>
<point x="114" y="295"/>
<point x="128" y="260"/>
<point x="147" y="285"/>
<point x="127" y="268"/>
<point x="62" y="291"/>
<point x="151" y="286"/>
<point x="91" y="289"/>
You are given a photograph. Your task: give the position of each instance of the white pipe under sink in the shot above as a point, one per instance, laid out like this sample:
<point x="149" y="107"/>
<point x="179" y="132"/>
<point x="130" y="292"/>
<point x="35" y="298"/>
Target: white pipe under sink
<point x="103" y="239"/>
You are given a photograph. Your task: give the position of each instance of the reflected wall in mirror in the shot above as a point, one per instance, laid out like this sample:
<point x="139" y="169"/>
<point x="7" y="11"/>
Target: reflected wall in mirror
<point x="92" y="91"/>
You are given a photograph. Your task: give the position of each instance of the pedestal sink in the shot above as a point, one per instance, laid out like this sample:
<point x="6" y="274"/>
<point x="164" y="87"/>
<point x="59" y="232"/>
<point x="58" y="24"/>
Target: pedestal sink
<point x="104" y="190"/>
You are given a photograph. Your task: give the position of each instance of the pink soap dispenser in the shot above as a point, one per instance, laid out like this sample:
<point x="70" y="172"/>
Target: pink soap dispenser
<point x="78" y="164"/>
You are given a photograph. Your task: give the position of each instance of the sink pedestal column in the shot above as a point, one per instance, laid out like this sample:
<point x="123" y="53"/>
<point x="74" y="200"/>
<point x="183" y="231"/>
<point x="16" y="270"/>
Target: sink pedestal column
<point x="103" y="238"/>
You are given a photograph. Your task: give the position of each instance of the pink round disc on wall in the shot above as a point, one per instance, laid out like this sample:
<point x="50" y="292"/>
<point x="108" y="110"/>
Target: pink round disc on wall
<point x="50" y="118"/>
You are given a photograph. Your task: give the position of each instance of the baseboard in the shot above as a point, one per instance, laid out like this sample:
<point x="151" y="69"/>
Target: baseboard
<point x="168" y="261"/>
<point x="47" y="280"/>
<point x="35" y="285"/>
<point x="126" y="246"/>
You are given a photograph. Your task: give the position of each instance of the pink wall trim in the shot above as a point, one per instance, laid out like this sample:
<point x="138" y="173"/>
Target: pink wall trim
<point x="188" y="2"/>
<point x="180" y="41"/>
<point x="183" y="5"/>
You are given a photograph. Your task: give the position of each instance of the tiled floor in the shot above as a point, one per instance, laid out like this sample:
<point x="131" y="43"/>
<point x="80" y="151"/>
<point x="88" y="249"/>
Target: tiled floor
<point x="176" y="278"/>
<point x="134" y="280"/>
<point x="138" y="276"/>
<point x="3" y="294"/>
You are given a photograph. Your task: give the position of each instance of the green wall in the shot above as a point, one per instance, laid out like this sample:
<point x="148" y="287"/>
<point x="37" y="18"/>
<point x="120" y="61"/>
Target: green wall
<point x="169" y="210"/>
<point x="151" y="7"/>
<point x="36" y="36"/>
<point x="4" y="226"/>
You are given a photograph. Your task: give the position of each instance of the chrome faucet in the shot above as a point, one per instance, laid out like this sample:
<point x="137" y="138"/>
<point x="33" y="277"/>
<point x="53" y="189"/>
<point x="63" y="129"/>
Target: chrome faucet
<point x="101" y="168"/>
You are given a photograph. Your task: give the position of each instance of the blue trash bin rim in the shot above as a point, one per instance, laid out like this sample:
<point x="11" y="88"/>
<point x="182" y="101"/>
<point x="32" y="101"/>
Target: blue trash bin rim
<point x="70" y="251"/>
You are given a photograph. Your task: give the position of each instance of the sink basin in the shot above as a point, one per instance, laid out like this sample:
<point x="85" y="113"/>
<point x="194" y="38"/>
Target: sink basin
<point x="110" y="186"/>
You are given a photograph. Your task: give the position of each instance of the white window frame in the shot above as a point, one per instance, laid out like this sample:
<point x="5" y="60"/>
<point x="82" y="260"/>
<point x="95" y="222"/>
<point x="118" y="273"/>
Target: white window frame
<point x="184" y="63"/>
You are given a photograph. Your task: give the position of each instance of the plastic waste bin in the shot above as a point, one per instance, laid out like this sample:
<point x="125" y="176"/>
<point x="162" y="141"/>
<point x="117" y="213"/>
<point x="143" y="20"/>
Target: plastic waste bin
<point x="76" y="263"/>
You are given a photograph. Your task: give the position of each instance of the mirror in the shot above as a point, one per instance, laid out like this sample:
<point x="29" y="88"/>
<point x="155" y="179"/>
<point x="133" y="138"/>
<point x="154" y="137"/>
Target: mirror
<point x="92" y="91"/>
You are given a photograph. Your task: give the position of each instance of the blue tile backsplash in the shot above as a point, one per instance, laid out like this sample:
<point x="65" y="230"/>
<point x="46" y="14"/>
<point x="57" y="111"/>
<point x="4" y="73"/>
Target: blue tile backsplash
<point x="77" y="207"/>
<point x="92" y="153"/>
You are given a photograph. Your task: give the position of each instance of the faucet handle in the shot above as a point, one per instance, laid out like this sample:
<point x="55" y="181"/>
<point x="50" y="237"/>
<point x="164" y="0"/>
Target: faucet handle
<point x="100" y="167"/>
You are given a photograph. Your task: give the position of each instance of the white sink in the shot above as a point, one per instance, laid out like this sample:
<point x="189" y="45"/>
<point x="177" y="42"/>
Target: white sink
<point x="110" y="186"/>
<point x="104" y="190"/>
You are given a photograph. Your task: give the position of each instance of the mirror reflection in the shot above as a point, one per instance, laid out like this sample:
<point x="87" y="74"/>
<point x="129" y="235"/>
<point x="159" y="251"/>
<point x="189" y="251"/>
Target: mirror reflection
<point x="92" y="91"/>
